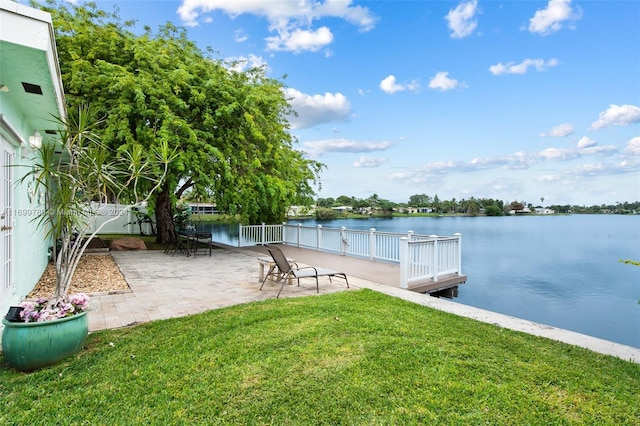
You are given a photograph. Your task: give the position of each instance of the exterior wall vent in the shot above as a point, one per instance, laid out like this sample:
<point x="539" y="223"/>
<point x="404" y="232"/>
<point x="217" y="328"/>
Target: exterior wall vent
<point x="32" y="88"/>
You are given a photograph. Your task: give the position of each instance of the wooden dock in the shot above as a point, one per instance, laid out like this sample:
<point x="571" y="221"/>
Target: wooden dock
<point x="443" y="284"/>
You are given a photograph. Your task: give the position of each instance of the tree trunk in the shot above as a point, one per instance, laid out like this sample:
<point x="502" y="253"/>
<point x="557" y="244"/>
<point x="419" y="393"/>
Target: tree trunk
<point x="164" y="216"/>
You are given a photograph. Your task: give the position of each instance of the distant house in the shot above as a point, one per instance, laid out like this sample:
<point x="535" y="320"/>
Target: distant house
<point x="203" y="208"/>
<point x="342" y="209"/>
<point x="30" y="94"/>
<point x="543" y="210"/>
<point x="412" y="210"/>
<point x="525" y="210"/>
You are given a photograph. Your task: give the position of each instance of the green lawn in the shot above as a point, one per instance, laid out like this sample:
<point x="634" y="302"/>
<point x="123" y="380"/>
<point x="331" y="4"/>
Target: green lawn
<point x="355" y="357"/>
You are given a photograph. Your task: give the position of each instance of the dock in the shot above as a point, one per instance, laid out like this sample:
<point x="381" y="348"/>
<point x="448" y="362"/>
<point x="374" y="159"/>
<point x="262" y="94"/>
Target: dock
<point x="386" y="273"/>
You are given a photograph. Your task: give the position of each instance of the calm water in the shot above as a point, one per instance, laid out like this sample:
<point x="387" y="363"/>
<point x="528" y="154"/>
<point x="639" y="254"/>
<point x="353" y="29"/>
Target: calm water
<point x="562" y="271"/>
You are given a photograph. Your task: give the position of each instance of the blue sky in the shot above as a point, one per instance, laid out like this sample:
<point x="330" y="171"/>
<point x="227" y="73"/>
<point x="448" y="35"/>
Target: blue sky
<point x="514" y="100"/>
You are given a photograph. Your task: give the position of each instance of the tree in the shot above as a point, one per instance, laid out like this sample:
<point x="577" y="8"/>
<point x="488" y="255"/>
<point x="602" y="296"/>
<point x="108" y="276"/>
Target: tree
<point x="516" y="205"/>
<point x="493" y="210"/>
<point x="373" y="201"/>
<point x="436" y="203"/>
<point x="343" y="200"/>
<point x="325" y="202"/>
<point x="419" y="200"/>
<point x="228" y="128"/>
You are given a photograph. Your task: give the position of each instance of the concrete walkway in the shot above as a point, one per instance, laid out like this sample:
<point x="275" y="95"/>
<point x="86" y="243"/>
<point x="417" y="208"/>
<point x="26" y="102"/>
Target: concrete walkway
<point x="164" y="286"/>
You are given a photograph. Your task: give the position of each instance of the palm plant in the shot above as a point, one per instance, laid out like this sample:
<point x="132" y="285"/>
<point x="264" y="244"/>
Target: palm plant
<point x="78" y="175"/>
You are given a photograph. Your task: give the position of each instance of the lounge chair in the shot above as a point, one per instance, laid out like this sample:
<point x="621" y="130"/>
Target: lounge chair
<point x="288" y="270"/>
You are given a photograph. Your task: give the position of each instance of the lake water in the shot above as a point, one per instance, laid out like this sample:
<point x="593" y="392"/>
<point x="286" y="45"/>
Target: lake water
<point x="563" y="271"/>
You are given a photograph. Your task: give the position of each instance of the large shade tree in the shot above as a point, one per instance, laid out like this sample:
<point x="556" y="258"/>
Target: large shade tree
<point x="229" y="127"/>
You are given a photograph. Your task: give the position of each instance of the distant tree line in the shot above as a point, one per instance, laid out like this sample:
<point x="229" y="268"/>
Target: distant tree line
<point x="471" y="206"/>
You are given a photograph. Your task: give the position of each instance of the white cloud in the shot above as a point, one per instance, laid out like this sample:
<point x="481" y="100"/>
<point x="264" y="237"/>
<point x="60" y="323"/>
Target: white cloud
<point x="561" y="130"/>
<point x="520" y="161"/>
<point x="522" y="67"/>
<point x="633" y="147"/>
<point x="344" y="145"/>
<point x="240" y="36"/>
<point x="551" y="19"/>
<point x="291" y="21"/>
<point x="586" y="142"/>
<point x="366" y="161"/>
<point x="617" y="115"/>
<point x="300" y="40"/>
<point x="461" y="20"/>
<point x="443" y="82"/>
<point x="389" y="85"/>
<point x="604" y="151"/>
<point x="317" y="109"/>
<point x="603" y="169"/>
<point x="557" y="154"/>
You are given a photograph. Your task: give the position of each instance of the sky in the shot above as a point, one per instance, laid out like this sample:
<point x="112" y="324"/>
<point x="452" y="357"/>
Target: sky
<point x="511" y="100"/>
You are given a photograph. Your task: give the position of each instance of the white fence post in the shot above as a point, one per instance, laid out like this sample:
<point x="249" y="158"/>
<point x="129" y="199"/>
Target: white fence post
<point x="283" y="236"/>
<point x="435" y="257"/>
<point x="410" y="235"/>
<point x="240" y="235"/>
<point x="404" y="262"/>
<point x="263" y="230"/>
<point x="345" y="242"/>
<point x="319" y="238"/>
<point x="372" y="243"/>
<point x="459" y="235"/>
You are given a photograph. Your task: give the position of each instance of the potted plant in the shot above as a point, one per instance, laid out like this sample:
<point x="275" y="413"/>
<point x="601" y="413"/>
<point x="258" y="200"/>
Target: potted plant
<point x="78" y="175"/>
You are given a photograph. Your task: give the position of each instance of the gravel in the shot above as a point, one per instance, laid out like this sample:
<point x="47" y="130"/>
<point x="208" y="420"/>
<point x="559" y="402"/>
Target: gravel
<point x="96" y="273"/>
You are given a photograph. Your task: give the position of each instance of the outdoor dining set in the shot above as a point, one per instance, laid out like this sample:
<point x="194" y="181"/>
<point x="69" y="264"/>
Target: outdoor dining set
<point x="188" y="242"/>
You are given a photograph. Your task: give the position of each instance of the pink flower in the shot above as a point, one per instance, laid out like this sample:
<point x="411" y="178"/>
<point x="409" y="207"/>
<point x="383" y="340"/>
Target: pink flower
<point x="43" y="310"/>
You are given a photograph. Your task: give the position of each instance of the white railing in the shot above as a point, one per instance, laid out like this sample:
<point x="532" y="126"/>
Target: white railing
<point x="259" y="234"/>
<point x="429" y="258"/>
<point x="421" y="257"/>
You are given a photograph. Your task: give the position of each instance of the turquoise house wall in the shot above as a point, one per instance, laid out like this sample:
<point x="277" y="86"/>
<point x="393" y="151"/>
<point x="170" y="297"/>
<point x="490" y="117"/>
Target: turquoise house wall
<point x="28" y="54"/>
<point x="30" y="247"/>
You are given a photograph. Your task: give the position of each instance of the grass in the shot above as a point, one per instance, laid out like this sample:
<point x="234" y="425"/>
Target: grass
<point x="356" y="357"/>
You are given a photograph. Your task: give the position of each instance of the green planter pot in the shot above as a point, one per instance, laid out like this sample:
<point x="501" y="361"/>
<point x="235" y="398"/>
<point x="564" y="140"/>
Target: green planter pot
<point x="33" y="345"/>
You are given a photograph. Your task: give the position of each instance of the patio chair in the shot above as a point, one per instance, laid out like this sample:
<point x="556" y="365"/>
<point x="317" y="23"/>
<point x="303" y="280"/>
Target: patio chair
<point x="288" y="270"/>
<point x="202" y="238"/>
<point x="175" y="244"/>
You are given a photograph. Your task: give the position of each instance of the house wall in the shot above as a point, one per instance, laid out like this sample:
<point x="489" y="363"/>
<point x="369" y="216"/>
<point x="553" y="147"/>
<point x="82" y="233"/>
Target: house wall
<point x="30" y="248"/>
<point x="28" y="54"/>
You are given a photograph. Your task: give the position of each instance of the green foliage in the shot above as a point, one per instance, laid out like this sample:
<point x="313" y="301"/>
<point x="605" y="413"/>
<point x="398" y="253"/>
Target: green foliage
<point x="326" y="213"/>
<point x="228" y="128"/>
<point x="354" y="357"/>
<point x="325" y="202"/>
<point x="182" y="215"/>
<point x="493" y="210"/>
